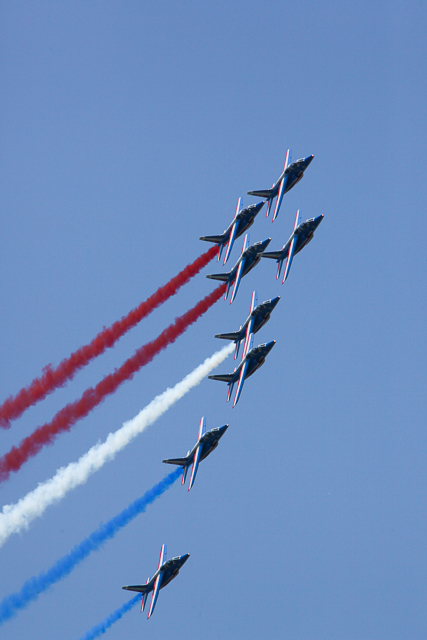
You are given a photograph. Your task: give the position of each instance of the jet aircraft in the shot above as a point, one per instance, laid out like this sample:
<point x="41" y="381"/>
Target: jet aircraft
<point x="302" y="234"/>
<point x="291" y="174"/>
<point x="207" y="441"/>
<point x="241" y="222"/>
<point x="248" y="259"/>
<point x="252" y="361"/>
<point x="166" y="571"/>
<point x="258" y="316"/>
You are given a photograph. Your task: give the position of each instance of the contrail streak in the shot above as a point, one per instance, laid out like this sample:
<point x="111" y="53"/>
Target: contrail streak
<point x="111" y="619"/>
<point x="16" y="517"/>
<point x="92" y="397"/>
<point x="37" y="585"/>
<point x="53" y="378"/>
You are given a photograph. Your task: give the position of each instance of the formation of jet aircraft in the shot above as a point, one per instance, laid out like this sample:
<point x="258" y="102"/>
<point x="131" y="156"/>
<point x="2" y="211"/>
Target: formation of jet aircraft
<point x="302" y="234"/>
<point x="207" y="441"/>
<point x="240" y="224"/>
<point x="252" y="357"/>
<point x="167" y="570"/>
<point x="292" y="173"/>
<point x="249" y="258"/>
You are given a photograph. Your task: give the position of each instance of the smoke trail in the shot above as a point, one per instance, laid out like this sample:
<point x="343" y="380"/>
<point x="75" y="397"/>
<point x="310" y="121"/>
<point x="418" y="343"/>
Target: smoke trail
<point x="35" y="586"/>
<point x="53" y="378"/>
<point x="70" y="414"/>
<point x="16" y="517"/>
<point x="112" y="618"/>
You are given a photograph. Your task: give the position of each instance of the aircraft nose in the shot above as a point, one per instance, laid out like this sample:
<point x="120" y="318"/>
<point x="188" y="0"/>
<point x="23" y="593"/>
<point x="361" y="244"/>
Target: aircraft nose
<point x="308" y="159"/>
<point x="266" y="243"/>
<point x="271" y="344"/>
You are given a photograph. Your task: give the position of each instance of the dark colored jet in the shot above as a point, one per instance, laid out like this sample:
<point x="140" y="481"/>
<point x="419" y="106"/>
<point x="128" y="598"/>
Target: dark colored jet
<point x="291" y="174"/>
<point x="302" y="234"/>
<point x="166" y="571"/>
<point x="249" y="258"/>
<point x="241" y="222"/>
<point x="253" y="360"/>
<point x="207" y="441"/>
<point x="258" y="316"/>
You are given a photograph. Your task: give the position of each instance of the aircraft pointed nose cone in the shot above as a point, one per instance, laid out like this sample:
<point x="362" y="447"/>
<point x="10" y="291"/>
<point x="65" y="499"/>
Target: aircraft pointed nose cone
<point x="308" y="160"/>
<point x="318" y="219"/>
<point x="265" y="243"/>
<point x="275" y="300"/>
<point x="270" y="345"/>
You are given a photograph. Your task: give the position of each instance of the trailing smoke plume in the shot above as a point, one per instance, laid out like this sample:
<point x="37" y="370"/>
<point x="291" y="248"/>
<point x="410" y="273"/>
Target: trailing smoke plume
<point x="16" y="517"/>
<point x="92" y="397"/>
<point x="102" y="627"/>
<point x="53" y="378"/>
<point x="38" y="584"/>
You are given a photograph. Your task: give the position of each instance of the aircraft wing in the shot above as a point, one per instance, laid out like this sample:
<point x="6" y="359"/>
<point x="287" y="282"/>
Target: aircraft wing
<point x="250" y="325"/>
<point x="281" y="191"/>
<point x="154" y="595"/>
<point x="237" y="279"/>
<point x="232" y="235"/>
<point x="291" y="250"/>
<point x="156" y="587"/>
<point x="196" y="461"/>
<point x="240" y="384"/>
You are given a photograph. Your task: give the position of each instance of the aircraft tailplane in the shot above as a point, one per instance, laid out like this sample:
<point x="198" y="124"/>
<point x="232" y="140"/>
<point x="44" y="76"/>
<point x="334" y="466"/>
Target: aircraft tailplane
<point x="215" y="239"/>
<point x="265" y="193"/>
<point x="223" y="277"/>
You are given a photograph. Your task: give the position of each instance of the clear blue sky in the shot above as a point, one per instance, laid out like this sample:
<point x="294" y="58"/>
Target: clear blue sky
<point x="128" y="130"/>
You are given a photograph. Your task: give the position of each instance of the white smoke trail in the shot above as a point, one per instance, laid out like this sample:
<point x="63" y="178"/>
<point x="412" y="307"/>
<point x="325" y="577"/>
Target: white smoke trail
<point x="16" y="517"/>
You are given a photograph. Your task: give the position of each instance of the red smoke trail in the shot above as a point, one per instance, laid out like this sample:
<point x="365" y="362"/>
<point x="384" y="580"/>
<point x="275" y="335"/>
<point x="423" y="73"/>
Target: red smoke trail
<point x="52" y="379"/>
<point x="68" y="416"/>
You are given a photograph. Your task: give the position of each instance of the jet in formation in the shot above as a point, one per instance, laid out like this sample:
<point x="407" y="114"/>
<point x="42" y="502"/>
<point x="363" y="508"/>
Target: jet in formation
<point x="251" y="361"/>
<point x="241" y="222"/>
<point x="292" y="173"/>
<point x="166" y="571"/>
<point x="258" y="316"/>
<point x="207" y="441"/>
<point x="302" y="234"/>
<point x="249" y="258"/>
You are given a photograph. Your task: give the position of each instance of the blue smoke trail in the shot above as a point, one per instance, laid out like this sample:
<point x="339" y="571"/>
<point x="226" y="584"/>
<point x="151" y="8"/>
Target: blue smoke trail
<point x="112" y="618"/>
<point x="33" y="587"/>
